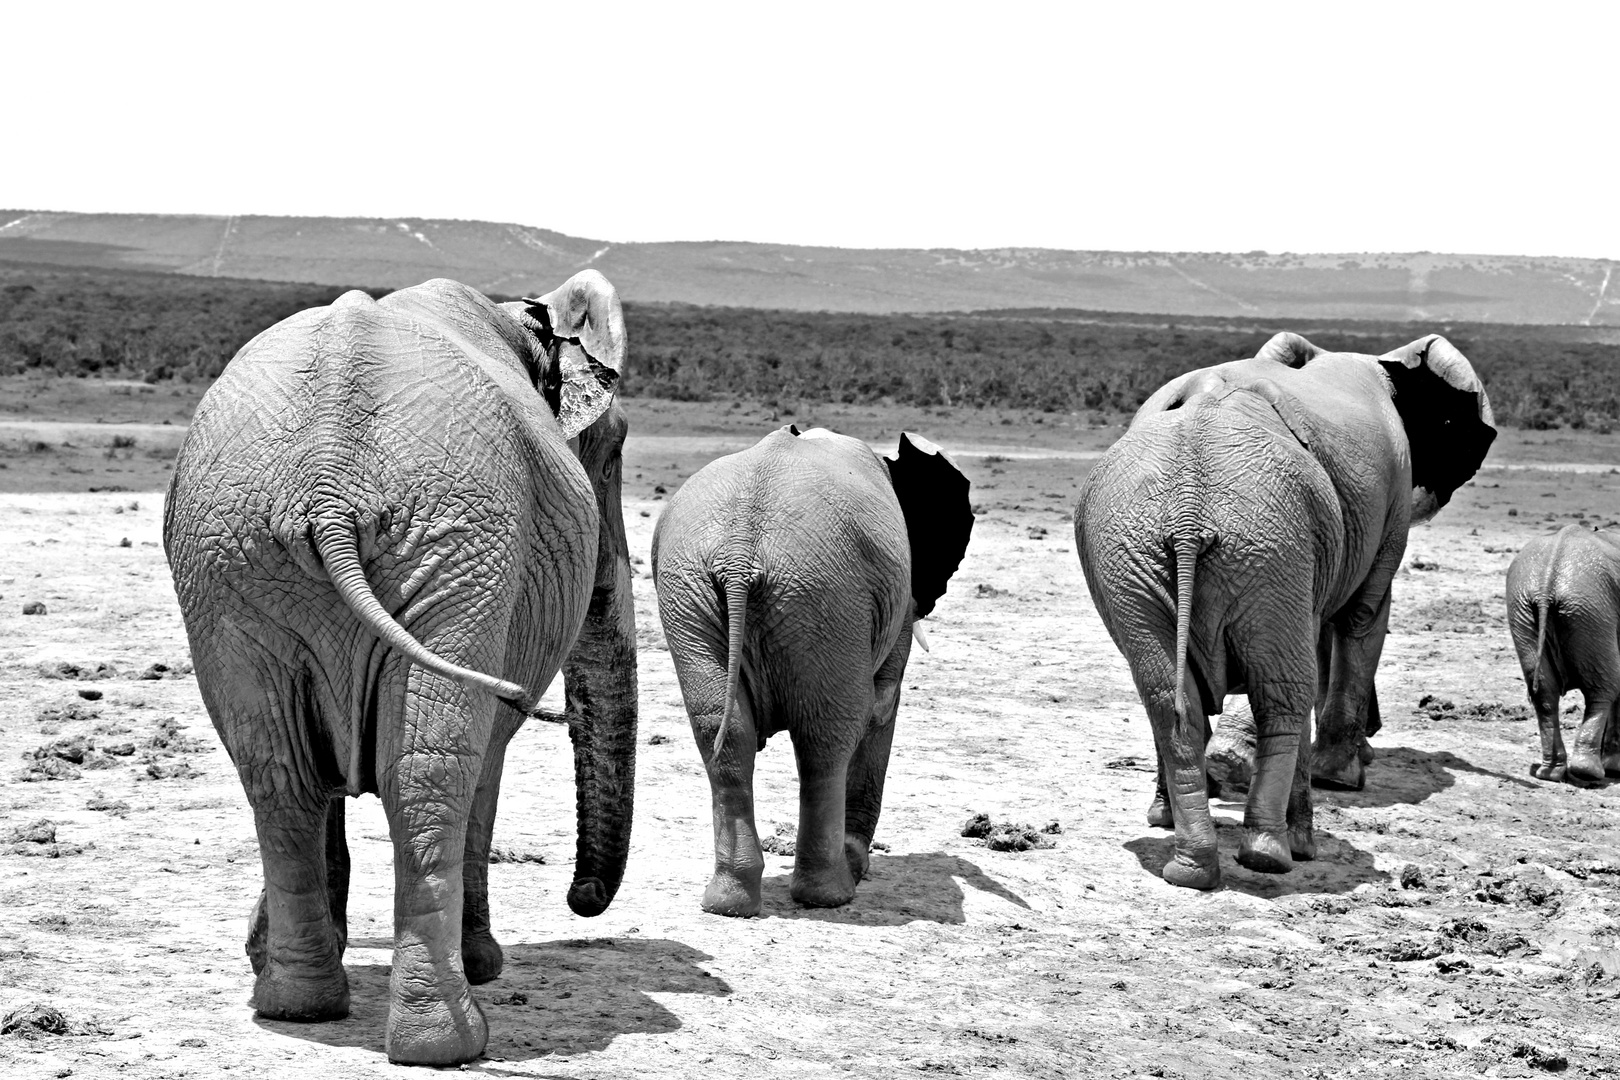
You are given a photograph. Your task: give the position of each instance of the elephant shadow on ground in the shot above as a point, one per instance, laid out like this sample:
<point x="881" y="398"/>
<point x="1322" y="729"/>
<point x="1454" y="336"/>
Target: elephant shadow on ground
<point x="1404" y="774"/>
<point x="897" y="889"/>
<point x="553" y="999"/>
<point x="1338" y="867"/>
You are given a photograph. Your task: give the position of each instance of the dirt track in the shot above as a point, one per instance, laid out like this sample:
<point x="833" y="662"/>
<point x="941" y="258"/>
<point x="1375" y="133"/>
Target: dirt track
<point x="1496" y="950"/>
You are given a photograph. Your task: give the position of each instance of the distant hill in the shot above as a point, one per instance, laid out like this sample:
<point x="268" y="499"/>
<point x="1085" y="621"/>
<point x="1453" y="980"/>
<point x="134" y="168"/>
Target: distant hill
<point x="510" y="259"/>
<point x="159" y="327"/>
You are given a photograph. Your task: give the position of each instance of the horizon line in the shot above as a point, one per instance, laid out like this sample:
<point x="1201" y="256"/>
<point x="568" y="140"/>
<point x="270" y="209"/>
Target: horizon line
<point x="1254" y="253"/>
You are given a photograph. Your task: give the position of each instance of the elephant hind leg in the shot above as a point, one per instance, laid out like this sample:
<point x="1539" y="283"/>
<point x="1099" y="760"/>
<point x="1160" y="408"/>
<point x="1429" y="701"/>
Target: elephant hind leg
<point x="337" y="891"/>
<point x="1160" y="812"/>
<point x="739" y="863"/>
<point x="1590" y="649"/>
<point x="1546" y="694"/>
<point x="1180" y="741"/>
<point x="1277" y="816"/>
<point x="822" y="874"/>
<point x="428" y="768"/>
<point x="1586" y="759"/>
<point x="300" y="971"/>
<point x="261" y="711"/>
<point x="828" y="727"/>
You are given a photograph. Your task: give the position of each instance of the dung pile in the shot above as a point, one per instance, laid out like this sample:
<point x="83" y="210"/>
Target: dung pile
<point x="66" y="669"/>
<point x="1439" y="708"/>
<point x="166" y="749"/>
<point x="1010" y="836"/>
<point x="32" y="1020"/>
<point x="62" y="758"/>
<point x="500" y="854"/>
<point x="38" y="839"/>
<point x="783" y="842"/>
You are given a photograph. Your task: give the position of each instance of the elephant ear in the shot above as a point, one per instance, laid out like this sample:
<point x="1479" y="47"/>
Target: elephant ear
<point x="581" y="328"/>
<point x="933" y="496"/>
<point x="1447" y="417"/>
<point x="1289" y="350"/>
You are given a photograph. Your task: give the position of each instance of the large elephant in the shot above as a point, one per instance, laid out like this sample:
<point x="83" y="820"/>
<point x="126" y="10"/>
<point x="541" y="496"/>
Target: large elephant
<point x="1242" y="537"/>
<point x="385" y="545"/>
<point x="789" y="579"/>
<point x="1563" y="605"/>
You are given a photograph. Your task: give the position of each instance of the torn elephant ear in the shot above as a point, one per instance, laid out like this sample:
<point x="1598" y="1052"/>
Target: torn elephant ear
<point x="933" y="496"/>
<point x="581" y="328"/>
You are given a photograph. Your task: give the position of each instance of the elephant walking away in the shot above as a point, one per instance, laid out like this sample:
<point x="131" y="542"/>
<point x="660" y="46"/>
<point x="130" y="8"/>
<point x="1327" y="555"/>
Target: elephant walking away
<point x="1242" y="537"/>
<point x="385" y="544"/>
<point x="790" y="577"/>
<point x="1563" y="604"/>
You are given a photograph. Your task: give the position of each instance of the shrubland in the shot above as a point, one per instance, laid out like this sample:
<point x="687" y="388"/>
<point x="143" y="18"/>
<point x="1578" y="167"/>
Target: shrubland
<point x="157" y="327"/>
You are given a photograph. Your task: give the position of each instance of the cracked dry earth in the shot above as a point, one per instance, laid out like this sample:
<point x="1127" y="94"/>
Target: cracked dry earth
<point x="1462" y="918"/>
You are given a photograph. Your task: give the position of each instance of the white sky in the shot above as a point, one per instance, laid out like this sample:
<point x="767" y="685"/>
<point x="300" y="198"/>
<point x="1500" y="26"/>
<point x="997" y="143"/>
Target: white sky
<point x="1357" y="126"/>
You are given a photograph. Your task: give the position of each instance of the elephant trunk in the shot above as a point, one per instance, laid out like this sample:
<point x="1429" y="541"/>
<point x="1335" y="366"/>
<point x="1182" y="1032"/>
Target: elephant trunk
<point x="600" y="681"/>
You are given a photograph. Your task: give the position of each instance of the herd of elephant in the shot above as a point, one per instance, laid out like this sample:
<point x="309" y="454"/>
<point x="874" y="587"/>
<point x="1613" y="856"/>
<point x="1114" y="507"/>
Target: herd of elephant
<point x="394" y="522"/>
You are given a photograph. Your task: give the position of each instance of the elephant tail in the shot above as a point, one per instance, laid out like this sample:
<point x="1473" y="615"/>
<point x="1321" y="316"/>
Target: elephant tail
<point x="737" y="617"/>
<point x="1543" y="612"/>
<point x="1543" y="607"/>
<point x="340" y="552"/>
<point x="1185" y="552"/>
<point x="1189" y="534"/>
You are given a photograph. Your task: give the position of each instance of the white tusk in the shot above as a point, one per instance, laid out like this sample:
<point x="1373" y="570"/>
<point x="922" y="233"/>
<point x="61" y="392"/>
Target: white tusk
<point x="917" y="632"/>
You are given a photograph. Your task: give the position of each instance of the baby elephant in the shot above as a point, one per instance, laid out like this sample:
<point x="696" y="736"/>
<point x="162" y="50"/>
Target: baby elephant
<point x="1563" y="602"/>
<point x="789" y="579"/>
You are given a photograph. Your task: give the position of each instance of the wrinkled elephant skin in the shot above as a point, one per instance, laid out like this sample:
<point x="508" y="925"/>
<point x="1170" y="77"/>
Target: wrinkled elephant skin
<point x="789" y="578"/>
<point x="385" y="548"/>
<point x="1242" y="537"/>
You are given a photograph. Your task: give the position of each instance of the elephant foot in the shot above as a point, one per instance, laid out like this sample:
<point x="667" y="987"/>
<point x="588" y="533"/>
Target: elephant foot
<point x="831" y="887"/>
<point x="1265" y="851"/>
<point x="1542" y="771"/>
<point x="1159" y="815"/>
<point x="1189" y="872"/>
<point x="1365" y="752"/>
<point x="258" y="935"/>
<point x="435" y="1032"/>
<point x="733" y="894"/>
<point x="857" y="855"/>
<point x="481" y="957"/>
<point x="1584" y="769"/>
<point x="281" y="993"/>
<point x="1302" y="843"/>
<point x="1230" y="763"/>
<point x="1349" y="774"/>
<point x="1611" y="764"/>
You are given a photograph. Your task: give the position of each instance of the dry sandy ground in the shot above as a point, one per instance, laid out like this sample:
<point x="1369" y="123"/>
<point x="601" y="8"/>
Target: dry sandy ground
<point x="1462" y="918"/>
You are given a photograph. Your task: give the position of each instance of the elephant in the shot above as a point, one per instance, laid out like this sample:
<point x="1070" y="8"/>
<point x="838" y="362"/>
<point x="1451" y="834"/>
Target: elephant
<point x="1242" y="536"/>
<point x="390" y="523"/>
<point x="790" y="579"/>
<point x="1563" y="605"/>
